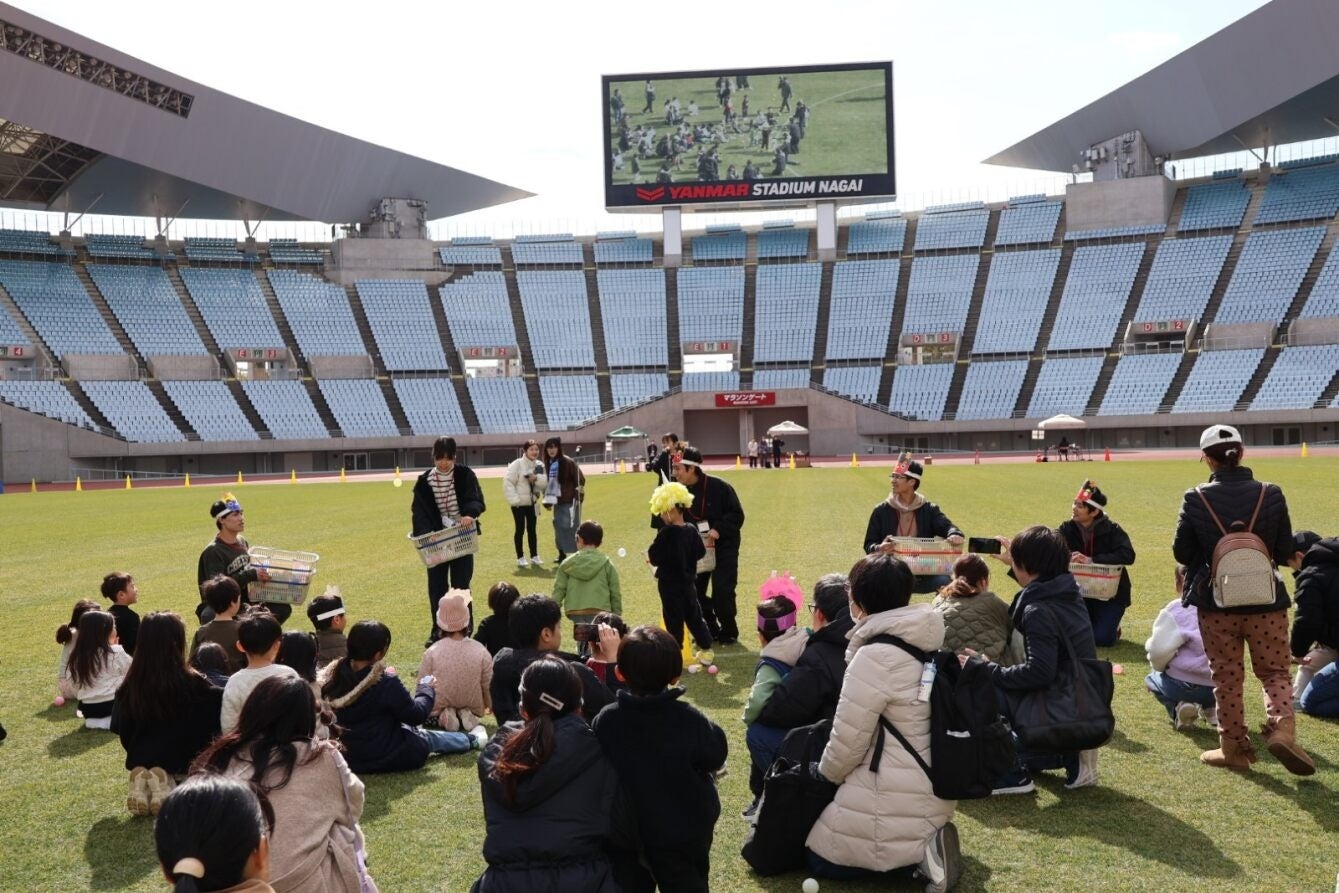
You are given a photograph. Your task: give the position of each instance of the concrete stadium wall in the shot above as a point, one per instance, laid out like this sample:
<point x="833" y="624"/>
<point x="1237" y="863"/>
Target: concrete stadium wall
<point x="1140" y="201"/>
<point x="199" y="367"/>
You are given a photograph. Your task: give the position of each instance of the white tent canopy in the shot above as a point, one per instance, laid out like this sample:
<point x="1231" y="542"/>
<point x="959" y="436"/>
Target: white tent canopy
<point x="1062" y="422"/>
<point x="787" y="428"/>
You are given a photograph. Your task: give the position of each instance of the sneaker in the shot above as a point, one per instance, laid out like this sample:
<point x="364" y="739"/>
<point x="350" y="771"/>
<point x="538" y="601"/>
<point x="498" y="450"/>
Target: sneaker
<point x="536" y="561"/>
<point x="1210" y="716"/>
<point x="751" y="814"/>
<point x="522" y="563"/>
<point x="160" y="785"/>
<point x="138" y="801"/>
<point x="941" y="866"/>
<point x="480" y="736"/>
<point x="1186" y="715"/>
<point x="1084" y="771"/>
<point x="1016" y="782"/>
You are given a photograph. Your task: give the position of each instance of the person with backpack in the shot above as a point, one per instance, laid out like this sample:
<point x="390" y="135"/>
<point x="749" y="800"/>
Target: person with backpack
<point x="885" y="814"/>
<point x="1231" y="534"/>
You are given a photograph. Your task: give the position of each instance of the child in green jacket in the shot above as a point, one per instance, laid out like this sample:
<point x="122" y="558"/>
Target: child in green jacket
<point x="587" y="581"/>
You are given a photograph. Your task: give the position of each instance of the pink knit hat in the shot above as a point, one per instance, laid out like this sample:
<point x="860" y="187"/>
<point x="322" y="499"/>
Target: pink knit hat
<point x="453" y="611"/>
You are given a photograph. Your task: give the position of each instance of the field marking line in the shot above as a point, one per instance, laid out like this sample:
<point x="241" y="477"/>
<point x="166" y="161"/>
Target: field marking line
<point x="845" y="93"/>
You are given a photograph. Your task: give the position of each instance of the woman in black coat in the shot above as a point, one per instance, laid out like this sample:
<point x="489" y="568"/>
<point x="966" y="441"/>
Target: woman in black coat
<point x="1233" y="496"/>
<point x="446" y="494"/>
<point x="1093" y="538"/>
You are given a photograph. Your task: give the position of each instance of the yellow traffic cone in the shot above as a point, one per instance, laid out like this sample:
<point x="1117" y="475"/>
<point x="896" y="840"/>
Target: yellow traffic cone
<point x="738" y="463"/>
<point x="127" y="482"/>
<point x="792" y="461"/>
<point x="397" y="472"/>
<point x="78" y="485"/>
<point x="622" y="466"/>
<point x="341" y="474"/>
<point x="689" y="657"/>
<point x="293" y="476"/>
<point x="239" y="477"/>
<point x="855" y="461"/>
<point x="34" y="486"/>
<point x="1305" y="452"/>
<point x="187" y="484"/>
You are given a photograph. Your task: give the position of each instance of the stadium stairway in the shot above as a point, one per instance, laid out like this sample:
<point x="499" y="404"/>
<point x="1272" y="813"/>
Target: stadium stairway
<point x="1047" y="322"/>
<point x="1029" y="385"/>
<point x="365" y="328"/>
<point x="843" y="240"/>
<point x="1257" y="379"/>
<point x="955" y="387"/>
<point x="1224" y="277"/>
<point x="105" y="311"/>
<point x="672" y="327"/>
<point x="1178" y="381"/>
<point x="824" y="318"/>
<point x="530" y="372"/>
<point x="160" y="394"/>
<point x="248" y="409"/>
<point x="466" y="404"/>
<point x="272" y="302"/>
<point x="1137" y="287"/>
<point x="192" y="311"/>
<point x="89" y="406"/>
<point x="1257" y="186"/>
<point x="750" y="315"/>
<point x="7" y="305"/>
<point x="968" y="335"/>
<point x="602" y="384"/>
<point x="1309" y="279"/>
<point x="322" y="408"/>
<point x="1331" y="392"/>
<point x="394" y="405"/>
<point x="1103" y="381"/>
<point x="453" y="359"/>
<point x="992" y="227"/>
<point x="1178" y="205"/>
<point x="892" y="353"/>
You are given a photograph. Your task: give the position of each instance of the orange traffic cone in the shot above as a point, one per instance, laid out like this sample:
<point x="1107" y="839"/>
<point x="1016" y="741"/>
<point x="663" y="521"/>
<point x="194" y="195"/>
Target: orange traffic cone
<point x="1038" y="459"/>
<point x="977" y="461"/>
<point x="1106" y="456"/>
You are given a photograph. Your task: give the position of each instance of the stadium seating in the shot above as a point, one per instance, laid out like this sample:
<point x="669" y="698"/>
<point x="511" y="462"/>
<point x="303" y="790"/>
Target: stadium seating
<point x="940" y="293"/>
<point x="133" y="411"/>
<point x="502" y="405"/>
<point x="1268" y="274"/>
<point x="991" y="389"/>
<point x="1099" y="283"/>
<point x="559" y="249"/>
<point x="1310" y="194"/>
<point x="720" y="246"/>
<point x="286" y="409"/>
<point x="861" y="310"/>
<point x="22" y="241"/>
<point x="1298" y="378"/>
<point x="456" y="254"/>
<point x="1182" y="278"/>
<point x="148" y="308"/>
<point x="1064" y="384"/>
<point x="569" y="399"/>
<point x="632" y="310"/>
<point x="711" y="381"/>
<point x="401" y="320"/>
<point x="1115" y="232"/>
<point x="781" y="379"/>
<point x="233" y="307"/>
<point x="359" y="407"/>
<point x="711" y="304"/>
<point x="1017" y="291"/>
<point x="216" y="250"/>
<point x="58" y="307"/>
<point x="1324" y="298"/>
<point x="478" y="312"/>
<point x="920" y="392"/>
<point x="1219" y="205"/>
<point x="10" y="333"/>
<point x="430" y="405"/>
<point x="557" y="317"/>
<point x="857" y="382"/>
<point x="48" y="398"/>
<point x="105" y="245"/>
<point x="288" y="251"/>
<point x="634" y="387"/>
<point x="1139" y="384"/>
<point x="1028" y="223"/>
<point x="318" y="313"/>
<point x="955" y="229"/>
<point x="624" y="251"/>
<point x="209" y="408"/>
<point x="1217" y="380"/>
<point x="886" y="236"/>
<point x="786" y="313"/>
<point x="774" y="243"/>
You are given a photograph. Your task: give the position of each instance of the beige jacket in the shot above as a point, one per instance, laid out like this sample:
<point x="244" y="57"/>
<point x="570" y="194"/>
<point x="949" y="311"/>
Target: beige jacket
<point x="316" y="817"/>
<point x="882" y="821"/>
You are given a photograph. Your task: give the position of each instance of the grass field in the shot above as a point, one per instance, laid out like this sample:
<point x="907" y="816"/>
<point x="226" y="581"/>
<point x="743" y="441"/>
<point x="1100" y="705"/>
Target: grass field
<point x="1158" y="821"/>
<point x="846" y="132"/>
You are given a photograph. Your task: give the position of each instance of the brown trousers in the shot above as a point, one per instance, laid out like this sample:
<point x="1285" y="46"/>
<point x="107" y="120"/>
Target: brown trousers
<point x="1267" y="635"/>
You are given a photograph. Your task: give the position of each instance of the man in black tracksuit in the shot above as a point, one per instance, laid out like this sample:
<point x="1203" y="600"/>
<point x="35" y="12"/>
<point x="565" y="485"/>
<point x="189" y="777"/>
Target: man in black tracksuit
<point x="716" y="505"/>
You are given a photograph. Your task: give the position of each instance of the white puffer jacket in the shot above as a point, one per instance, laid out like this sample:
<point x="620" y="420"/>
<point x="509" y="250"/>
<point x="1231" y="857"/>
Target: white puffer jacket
<point x="882" y="821"/>
<point x="518" y="491"/>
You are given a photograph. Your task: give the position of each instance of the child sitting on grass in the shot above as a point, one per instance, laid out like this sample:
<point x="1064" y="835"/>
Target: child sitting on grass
<point x="462" y="667"/>
<point x="98" y="666"/>
<point x="65" y="636"/>
<point x="587" y="581"/>
<point x="1180" y="677"/>
<point x="675" y="553"/>
<point x="782" y="642"/>
<point x="495" y="630"/>
<point x="211" y="661"/>
<point x="119" y="588"/>
<point x="974" y="617"/>
<point x="603" y="660"/>
<point x="224" y="598"/>
<point x="665" y="753"/>
<point x="326" y="612"/>
<point x="260" y="636"/>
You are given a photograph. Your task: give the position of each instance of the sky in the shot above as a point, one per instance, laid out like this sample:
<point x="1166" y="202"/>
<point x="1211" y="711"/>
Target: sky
<point x="511" y="90"/>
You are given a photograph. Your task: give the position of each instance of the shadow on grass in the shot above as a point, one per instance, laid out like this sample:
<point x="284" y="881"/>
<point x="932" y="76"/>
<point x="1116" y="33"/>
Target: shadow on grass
<point x="1310" y="795"/>
<point x="52" y="713"/>
<point x="78" y="741"/>
<point x="382" y="791"/>
<point x="1142" y="829"/>
<point x="120" y="851"/>
<point x="1119" y="741"/>
<point x="975" y="875"/>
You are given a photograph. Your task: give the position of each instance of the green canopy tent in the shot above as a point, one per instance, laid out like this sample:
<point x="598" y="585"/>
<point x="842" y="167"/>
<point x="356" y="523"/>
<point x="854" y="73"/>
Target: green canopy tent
<point x="620" y="437"/>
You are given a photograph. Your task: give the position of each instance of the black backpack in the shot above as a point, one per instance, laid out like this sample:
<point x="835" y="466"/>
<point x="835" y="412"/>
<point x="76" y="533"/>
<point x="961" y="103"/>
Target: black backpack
<point x="971" y="746"/>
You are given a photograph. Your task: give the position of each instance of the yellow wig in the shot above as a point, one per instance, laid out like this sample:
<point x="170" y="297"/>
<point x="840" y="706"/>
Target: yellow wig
<point x="666" y="496"/>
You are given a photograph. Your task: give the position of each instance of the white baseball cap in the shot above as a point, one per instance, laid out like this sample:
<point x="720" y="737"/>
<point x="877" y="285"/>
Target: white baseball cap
<point x="1219" y="434"/>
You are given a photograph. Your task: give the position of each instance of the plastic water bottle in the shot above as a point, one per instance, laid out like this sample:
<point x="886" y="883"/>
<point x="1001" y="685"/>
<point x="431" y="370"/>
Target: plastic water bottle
<point x="928" y="674"/>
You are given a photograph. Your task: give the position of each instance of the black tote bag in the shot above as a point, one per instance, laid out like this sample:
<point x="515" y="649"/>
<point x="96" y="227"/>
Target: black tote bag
<point x="794" y="796"/>
<point x="1074" y="713"/>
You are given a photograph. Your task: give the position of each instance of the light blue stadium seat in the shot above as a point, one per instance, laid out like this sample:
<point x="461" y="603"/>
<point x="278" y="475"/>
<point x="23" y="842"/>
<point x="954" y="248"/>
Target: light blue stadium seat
<point x="1139" y="384"/>
<point x="1182" y="278"/>
<point x="286" y="409"/>
<point x="1298" y="378"/>
<point x="920" y="391"/>
<point x="991" y="389"/>
<point x="58" y="307"/>
<point x="1219" y="205"/>
<point x="557" y="318"/>
<point x="359" y="407"/>
<point x="148" y="308"/>
<point x="133" y="411"/>
<point x="781" y="379"/>
<point x="471" y="255"/>
<point x="623" y="251"/>
<point x="430" y="405"/>
<point x="786" y="312"/>
<point x="1093" y="302"/>
<point x="711" y="304"/>
<point x="233" y="307"/>
<point x="857" y="382"/>
<point x="402" y="325"/>
<point x="318" y="313"/>
<point x="774" y="243"/>
<point x="478" y="312"/>
<point x="711" y="381"/>
<point x="633" y="312"/>
<point x="1217" y="380"/>
<point x="209" y="408"/>
<point x="119" y="247"/>
<point x="1064" y="384"/>
<point x="1028" y="222"/>
<point x="861" y="310"/>
<point x="1268" y="274"/>
<point x="1309" y="194"/>
<point x="634" y="387"/>
<point x="952" y="229"/>
<point x="1017" y="291"/>
<point x="502" y="405"/>
<point x="1323" y="301"/>
<point x="884" y="236"/>
<point x="49" y="398"/>
<point x="720" y="246"/>
<point x="569" y="399"/>
<point x="940" y="293"/>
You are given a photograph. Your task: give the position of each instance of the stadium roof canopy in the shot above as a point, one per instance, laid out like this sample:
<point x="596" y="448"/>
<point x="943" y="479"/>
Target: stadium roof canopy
<point x="1272" y="77"/>
<point x="86" y="128"/>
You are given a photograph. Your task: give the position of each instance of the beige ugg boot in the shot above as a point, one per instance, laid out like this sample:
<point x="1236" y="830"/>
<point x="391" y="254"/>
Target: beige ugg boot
<point x="1282" y="741"/>
<point x="1230" y="754"/>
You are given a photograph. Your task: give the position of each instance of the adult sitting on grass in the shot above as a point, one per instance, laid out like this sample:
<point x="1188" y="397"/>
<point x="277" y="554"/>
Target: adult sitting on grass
<point x="906" y="513"/>
<point x="887" y="818"/>
<point x="1093" y="537"/>
<point x="1047" y="610"/>
<point x="974" y="617"/>
<point x="536" y="625"/>
<point x="1315" y="633"/>
<point x="213" y="833"/>
<point x="317" y="845"/>
<point x="378" y="716"/>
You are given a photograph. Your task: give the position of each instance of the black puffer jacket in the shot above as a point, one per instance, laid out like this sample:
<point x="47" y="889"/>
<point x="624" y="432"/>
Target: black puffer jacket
<point x="425" y="513"/>
<point x="1317" y="598"/>
<point x="1110" y="545"/>
<point x="378" y="717"/>
<point x="810" y="690"/>
<point x="1044" y="611"/>
<point x="716" y="502"/>
<point x="505" y="688"/>
<point x="930" y="521"/>
<point x="1233" y="493"/>
<point x="556" y="833"/>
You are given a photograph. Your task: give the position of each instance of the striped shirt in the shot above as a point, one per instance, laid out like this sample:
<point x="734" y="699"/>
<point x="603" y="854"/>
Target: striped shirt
<point x="444" y="491"/>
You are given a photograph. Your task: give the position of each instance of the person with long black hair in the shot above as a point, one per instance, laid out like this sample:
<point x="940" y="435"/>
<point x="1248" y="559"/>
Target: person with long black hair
<point x="213" y="834"/>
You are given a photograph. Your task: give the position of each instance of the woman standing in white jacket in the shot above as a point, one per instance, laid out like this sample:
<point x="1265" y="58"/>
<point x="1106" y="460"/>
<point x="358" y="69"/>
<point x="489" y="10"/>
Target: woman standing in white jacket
<point x="890" y="819"/>
<point x="523" y="486"/>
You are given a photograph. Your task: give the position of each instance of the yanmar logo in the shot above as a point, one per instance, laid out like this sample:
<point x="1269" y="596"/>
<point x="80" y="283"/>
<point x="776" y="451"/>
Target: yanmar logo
<point x="651" y="195"/>
<point x="709" y="190"/>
